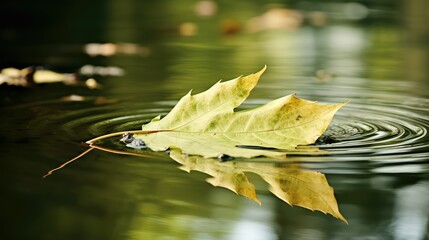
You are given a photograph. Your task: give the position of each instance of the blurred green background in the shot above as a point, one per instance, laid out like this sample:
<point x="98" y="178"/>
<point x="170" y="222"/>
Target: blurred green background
<point x="384" y="35"/>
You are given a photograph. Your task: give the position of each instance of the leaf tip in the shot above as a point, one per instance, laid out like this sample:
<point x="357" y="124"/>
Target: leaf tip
<point x="339" y="216"/>
<point x="256" y="75"/>
<point x="340" y="105"/>
<point x="347" y="102"/>
<point x="260" y="72"/>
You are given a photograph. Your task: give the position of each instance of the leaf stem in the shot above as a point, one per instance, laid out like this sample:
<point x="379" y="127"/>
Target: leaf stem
<point x="109" y="135"/>
<point x="91" y="146"/>
<point x="91" y="141"/>
<point x="68" y="162"/>
<point x="120" y="151"/>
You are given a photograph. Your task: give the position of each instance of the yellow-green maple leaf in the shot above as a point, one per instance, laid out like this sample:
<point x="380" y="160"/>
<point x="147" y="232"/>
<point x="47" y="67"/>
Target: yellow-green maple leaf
<point x="206" y="124"/>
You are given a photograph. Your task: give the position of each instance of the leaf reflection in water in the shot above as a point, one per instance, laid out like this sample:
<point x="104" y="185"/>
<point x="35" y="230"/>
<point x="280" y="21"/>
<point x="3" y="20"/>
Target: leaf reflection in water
<point x="295" y="186"/>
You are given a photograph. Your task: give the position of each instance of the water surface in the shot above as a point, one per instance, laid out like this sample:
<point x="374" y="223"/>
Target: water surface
<point x="375" y="151"/>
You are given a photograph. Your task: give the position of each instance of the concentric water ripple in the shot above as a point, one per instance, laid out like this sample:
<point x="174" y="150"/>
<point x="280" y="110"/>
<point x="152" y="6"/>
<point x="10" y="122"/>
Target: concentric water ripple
<point x="377" y="131"/>
<point x="93" y="122"/>
<point x="385" y="133"/>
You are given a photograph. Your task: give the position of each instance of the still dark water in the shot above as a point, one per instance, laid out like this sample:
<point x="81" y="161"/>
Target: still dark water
<point x="376" y="150"/>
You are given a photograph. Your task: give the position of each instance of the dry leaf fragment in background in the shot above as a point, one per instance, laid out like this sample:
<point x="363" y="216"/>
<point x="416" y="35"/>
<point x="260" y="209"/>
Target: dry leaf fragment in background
<point x="31" y="76"/>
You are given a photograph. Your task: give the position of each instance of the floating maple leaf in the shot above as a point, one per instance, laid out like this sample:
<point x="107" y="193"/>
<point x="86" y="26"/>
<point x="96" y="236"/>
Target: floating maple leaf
<point x="206" y="124"/>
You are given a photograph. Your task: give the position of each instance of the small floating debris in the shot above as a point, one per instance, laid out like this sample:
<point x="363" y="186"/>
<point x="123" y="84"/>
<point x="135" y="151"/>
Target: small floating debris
<point x="137" y="143"/>
<point x="324" y="75"/>
<point x="188" y="29"/>
<point x="31" y="76"/>
<point x="127" y="138"/>
<point x="101" y="70"/>
<point x="224" y="157"/>
<point x="110" y="49"/>
<point x="132" y="142"/>
<point x="91" y="83"/>
<point x="73" y="98"/>
<point x="95" y="100"/>
<point x="104" y="100"/>
<point x="47" y="76"/>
